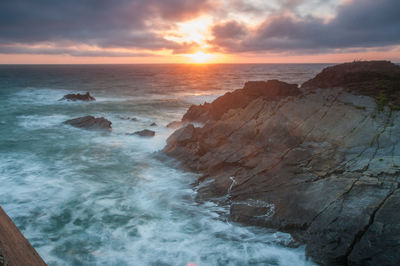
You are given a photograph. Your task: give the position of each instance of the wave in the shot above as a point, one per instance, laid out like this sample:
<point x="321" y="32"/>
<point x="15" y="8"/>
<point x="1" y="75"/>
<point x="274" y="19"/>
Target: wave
<point x="93" y="198"/>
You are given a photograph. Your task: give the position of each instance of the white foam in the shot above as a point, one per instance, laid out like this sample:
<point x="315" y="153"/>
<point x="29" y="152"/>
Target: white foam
<point x="270" y="208"/>
<point x="40" y="121"/>
<point x="93" y="198"/>
<point x="38" y="96"/>
<point x="200" y="97"/>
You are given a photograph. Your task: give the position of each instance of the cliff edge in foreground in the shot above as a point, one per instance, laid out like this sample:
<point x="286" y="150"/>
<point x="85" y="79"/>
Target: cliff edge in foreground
<point x="15" y="250"/>
<point x="321" y="162"/>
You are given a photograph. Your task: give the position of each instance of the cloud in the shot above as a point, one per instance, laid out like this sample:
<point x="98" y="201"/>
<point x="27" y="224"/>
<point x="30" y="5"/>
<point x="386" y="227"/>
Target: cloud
<point x="276" y="26"/>
<point x="229" y="30"/>
<point x="357" y="24"/>
<point x="228" y="34"/>
<point x="77" y="52"/>
<point x="101" y="23"/>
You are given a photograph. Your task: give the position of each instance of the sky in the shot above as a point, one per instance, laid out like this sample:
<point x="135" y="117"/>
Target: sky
<point x="198" y="31"/>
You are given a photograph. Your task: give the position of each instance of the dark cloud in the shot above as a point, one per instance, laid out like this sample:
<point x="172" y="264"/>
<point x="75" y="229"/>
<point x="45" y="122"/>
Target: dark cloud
<point x="229" y="33"/>
<point x="135" y="24"/>
<point x="229" y="30"/>
<point x="104" y="23"/>
<point x="360" y="23"/>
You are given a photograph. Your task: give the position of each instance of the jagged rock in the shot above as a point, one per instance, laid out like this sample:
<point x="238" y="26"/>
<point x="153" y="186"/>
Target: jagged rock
<point x="175" y="124"/>
<point x="145" y="133"/>
<point x="272" y="89"/>
<point x="179" y="138"/>
<point x="79" y="97"/>
<point x="90" y="123"/>
<point x="323" y="165"/>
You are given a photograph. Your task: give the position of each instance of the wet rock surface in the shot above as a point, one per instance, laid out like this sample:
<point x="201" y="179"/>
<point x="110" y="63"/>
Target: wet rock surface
<point x="144" y="133"/>
<point x="323" y="165"/>
<point x="79" y="97"/>
<point x="90" y="123"/>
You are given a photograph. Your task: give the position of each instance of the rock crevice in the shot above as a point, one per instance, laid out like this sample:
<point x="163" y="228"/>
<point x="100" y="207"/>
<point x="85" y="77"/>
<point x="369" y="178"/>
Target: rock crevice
<point x="323" y="160"/>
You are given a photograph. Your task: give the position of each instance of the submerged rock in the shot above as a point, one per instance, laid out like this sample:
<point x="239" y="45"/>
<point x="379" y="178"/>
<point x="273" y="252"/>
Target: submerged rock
<point x="145" y="133"/>
<point x="90" y="123"/>
<point x="79" y="97"/>
<point x="323" y="165"/>
<point x="129" y="118"/>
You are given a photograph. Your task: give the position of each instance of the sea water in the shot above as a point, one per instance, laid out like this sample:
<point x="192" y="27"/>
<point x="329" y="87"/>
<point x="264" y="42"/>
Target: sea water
<point x="97" y="198"/>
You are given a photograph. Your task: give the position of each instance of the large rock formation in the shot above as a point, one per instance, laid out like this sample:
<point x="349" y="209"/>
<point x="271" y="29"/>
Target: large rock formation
<point x="378" y="79"/>
<point x="90" y="123"/>
<point x="78" y="97"/>
<point x="323" y="165"/>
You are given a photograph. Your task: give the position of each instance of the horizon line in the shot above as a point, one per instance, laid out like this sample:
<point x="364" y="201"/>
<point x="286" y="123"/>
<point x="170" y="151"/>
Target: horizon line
<point x="197" y="64"/>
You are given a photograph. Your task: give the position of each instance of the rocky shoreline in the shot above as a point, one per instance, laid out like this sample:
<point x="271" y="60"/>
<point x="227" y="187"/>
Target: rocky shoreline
<point x="321" y="161"/>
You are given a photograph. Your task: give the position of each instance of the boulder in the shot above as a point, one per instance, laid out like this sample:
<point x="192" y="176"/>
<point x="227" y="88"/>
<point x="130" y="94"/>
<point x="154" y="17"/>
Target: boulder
<point x="90" y="123"/>
<point x="153" y="124"/>
<point x="145" y="133"/>
<point x="79" y="97"/>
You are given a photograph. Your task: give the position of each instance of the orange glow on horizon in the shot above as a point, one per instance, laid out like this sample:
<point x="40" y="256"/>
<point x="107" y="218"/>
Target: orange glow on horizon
<point x="200" y="57"/>
<point x="165" y="57"/>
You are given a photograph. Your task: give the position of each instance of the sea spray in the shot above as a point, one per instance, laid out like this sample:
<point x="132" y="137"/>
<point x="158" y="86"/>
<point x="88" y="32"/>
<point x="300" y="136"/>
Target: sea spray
<point x="84" y="197"/>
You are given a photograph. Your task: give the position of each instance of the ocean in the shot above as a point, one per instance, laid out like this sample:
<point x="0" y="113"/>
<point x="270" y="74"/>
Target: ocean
<point x="96" y="198"/>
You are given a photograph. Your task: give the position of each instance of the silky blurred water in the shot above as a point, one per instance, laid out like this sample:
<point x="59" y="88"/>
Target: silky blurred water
<point x="92" y="198"/>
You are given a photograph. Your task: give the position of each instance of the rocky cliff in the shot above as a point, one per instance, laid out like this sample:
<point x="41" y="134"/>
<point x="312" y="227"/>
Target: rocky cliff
<point x="321" y="162"/>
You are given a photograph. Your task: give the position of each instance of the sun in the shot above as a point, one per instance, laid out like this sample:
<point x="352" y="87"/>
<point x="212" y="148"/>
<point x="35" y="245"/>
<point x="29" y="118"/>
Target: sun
<point x="200" y="57"/>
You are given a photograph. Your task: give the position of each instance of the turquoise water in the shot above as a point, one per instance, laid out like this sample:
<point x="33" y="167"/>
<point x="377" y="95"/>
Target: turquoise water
<point x="93" y="198"/>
